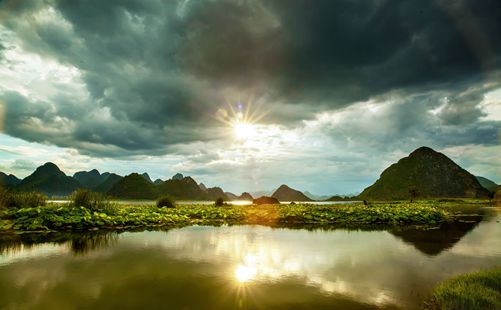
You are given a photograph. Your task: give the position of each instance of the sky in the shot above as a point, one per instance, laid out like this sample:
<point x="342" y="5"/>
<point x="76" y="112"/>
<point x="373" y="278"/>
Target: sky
<point x="249" y="94"/>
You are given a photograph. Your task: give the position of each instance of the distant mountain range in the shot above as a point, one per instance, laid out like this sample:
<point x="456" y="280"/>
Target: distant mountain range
<point x="316" y="197"/>
<point x="50" y="180"/>
<point x="425" y="173"/>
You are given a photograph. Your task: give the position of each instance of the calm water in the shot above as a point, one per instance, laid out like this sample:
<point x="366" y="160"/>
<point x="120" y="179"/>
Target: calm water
<point x="202" y="202"/>
<point x="241" y="267"/>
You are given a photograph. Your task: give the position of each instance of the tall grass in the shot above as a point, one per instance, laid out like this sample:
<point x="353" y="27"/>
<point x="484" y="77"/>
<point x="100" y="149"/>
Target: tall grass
<point x="90" y="200"/>
<point x="479" y="290"/>
<point x="10" y="199"/>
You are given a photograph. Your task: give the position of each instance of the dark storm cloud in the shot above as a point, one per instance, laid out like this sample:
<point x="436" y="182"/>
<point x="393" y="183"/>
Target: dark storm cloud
<point x="159" y="68"/>
<point x="342" y="51"/>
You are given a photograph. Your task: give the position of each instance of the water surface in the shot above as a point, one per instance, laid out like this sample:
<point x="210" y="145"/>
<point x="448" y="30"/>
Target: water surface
<point x="241" y="267"/>
<point x="206" y="202"/>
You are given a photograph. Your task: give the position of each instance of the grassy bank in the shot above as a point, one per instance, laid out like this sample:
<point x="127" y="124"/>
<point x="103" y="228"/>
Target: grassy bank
<point x="479" y="290"/>
<point x="73" y="218"/>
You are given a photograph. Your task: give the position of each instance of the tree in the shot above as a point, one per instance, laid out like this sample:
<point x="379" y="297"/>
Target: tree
<point x="414" y="193"/>
<point x="219" y="202"/>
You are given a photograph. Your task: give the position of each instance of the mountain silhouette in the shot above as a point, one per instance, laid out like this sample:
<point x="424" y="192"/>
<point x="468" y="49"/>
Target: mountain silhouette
<point x="8" y="180"/>
<point x="90" y="179"/>
<point x="285" y="193"/>
<point x="425" y="173"/>
<point x="185" y="188"/>
<point x="133" y="186"/>
<point x="50" y="180"/>
<point x="487" y="184"/>
<point x="108" y="183"/>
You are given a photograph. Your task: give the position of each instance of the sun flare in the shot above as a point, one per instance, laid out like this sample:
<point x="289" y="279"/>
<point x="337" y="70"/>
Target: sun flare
<point x="243" y="120"/>
<point x="244" y="131"/>
<point x="244" y="273"/>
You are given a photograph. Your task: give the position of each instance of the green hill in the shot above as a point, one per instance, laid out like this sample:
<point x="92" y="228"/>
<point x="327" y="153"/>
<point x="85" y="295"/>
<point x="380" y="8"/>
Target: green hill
<point x="49" y="180"/>
<point x="245" y="196"/>
<point x="285" y="193"/>
<point x="133" y="186"/>
<point x="91" y="179"/>
<point x="108" y="183"/>
<point x="8" y="180"/>
<point x="427" y="174"/>
<point x="214" y="193"/>
<point x="487" y="184"/>
<point x="146" y="177"/>
<point x="185" y="188"/>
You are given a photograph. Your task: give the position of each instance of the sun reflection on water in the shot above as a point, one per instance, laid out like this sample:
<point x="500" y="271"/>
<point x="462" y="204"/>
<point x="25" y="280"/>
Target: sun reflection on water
<point x="245" y="273"/>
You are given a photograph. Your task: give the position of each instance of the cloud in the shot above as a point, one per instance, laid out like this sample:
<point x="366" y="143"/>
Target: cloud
<point x="138" y="78"/>
<point x="23" y="165"/>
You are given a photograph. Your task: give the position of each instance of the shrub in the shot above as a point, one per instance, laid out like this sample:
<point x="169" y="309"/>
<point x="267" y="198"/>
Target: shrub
<point x="10" y="199"/>
<point x="165" y="202"/>
<point x="219" y="202"/>
<point x="89" y="200"/>
<point x="5" y="198"/>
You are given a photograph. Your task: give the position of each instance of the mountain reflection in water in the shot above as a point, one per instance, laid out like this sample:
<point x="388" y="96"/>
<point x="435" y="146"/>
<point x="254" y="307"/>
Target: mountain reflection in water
<point x="241" y="267"/>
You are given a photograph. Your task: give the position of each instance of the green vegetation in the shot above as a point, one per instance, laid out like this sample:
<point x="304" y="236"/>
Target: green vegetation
<point x="165" y="202"/>
<point x="9" y="199"/>
<point x="354" y="214"/>
<point x="88" y="199"/>
<point x="75" y="217"/>
<point x="479" y="290"/>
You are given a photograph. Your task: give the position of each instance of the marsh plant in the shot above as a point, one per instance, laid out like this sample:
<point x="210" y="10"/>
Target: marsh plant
<point x="90" y="200"/>
<point x="219" y="202"/>
<point x="10" y="199"/>
<point x="165" y="202"/>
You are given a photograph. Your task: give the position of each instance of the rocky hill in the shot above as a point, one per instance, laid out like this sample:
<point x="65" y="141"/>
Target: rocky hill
<point x="90" y="179"/>
<point x="285" y="193"/>
<point x="133" y="186"/>
<point x="108" y="183"/>
<point x="245" y="196"/>
<point x="185" y="188"/>
<point x="8" y="180"/>
<point x="425" y="173"/>
<point x="49" y="180"/>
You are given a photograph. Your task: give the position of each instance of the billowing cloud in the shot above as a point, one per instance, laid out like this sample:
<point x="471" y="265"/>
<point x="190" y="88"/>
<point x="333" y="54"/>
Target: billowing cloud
<point x="333" y="80"/>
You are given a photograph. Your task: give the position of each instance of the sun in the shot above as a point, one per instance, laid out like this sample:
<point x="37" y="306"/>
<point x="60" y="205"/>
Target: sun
<point x="244" y="131"/>
<point x="243" y="121"/>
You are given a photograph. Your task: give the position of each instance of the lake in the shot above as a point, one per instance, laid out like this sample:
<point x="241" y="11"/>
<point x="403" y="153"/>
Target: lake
<point x="205" y="202"/>
<point x="242" y="267"/>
